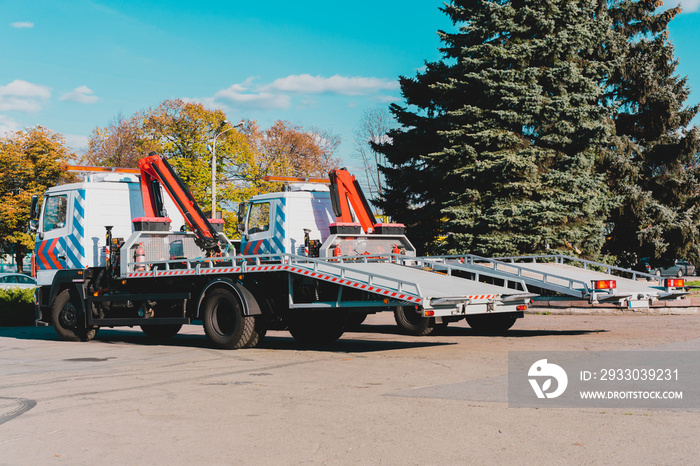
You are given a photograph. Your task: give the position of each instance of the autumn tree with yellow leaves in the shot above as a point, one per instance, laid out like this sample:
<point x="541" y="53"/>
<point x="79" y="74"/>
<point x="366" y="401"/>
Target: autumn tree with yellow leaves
<point x="30" y="162"/>
<point x="181" y="132"/>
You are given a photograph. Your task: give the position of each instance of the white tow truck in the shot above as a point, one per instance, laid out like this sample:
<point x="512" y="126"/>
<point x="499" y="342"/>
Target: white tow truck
<point x="113" y="251"/>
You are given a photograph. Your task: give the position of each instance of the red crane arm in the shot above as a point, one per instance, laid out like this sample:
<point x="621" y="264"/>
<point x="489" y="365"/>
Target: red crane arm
<point x="155" y="170"/>
<point x="346" y="192"/>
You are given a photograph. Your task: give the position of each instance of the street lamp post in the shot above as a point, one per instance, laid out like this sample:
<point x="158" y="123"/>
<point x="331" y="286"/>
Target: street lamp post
<point x="212" y="149"/>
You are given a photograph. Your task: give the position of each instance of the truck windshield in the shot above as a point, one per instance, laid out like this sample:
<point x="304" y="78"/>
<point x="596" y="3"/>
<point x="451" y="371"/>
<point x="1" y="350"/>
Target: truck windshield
<point x="55" y="212"/>
<point x="259" y="217"/>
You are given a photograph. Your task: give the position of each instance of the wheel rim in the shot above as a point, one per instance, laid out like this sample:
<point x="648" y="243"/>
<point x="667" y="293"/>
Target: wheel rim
<point x="68" y="316"/>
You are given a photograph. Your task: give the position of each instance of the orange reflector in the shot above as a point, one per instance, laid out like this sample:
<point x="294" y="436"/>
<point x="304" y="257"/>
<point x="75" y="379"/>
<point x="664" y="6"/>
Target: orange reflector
<point x="429" y="313"/>
<point x="297" y="179"/>
<point x="675" y="283"/>
<point x="522" y="307"/>
<point x="604" y="284"/>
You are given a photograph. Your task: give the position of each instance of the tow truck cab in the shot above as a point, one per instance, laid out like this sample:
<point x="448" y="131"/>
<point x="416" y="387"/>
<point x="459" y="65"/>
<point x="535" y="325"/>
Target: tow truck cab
<point x="70" y="232"/>
<point x="301" y="220"/>
<point x="278" y="223"/>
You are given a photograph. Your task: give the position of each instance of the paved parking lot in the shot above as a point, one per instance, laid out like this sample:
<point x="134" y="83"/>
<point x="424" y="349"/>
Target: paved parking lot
<point x="375" y="397"/>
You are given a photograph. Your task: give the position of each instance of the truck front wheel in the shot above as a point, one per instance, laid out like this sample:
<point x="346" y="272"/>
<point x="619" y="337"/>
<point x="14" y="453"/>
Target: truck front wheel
<point x="224" y="322"/>
<point x="68" y="319"/>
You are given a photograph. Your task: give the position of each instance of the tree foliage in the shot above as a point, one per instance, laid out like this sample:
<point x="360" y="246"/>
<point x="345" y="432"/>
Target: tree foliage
<point x="654" y="168"/>
<point x="187" y="133"/>
<point x="181" y="132"/>
<point x="501" y="139"/>
<point x="30" y="162"/>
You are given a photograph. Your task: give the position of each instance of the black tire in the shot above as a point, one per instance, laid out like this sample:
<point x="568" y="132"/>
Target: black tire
<point x="412" y="323"/>
<point x="657" y="273"/>
<point x="68" y="319"/>
<point x="224" y="322"/>
<point x="491" y="324"/>
<point x="161" y="332"/>
<point x="679" y="274"/>
<point x="259" y="332"/>
<point x="316" y="327"/>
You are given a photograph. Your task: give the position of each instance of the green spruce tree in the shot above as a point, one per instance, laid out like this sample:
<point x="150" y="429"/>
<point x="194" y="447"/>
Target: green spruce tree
<point x="501" y="139"/>
<point x="654" y="168"/>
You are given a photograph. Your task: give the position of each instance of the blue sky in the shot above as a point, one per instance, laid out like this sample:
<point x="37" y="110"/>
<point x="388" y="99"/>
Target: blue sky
<point x="74" y="65"/>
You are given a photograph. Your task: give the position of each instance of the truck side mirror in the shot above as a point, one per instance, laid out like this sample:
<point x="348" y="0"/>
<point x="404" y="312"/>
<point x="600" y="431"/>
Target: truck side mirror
<point x="34" y="214"/>
<point x="34" y="208"/>
<point x="241" y="216"/>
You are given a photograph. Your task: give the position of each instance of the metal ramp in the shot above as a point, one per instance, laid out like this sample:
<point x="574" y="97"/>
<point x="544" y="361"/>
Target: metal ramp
<point x="434" y="288"/>
<point x="394" y="282"/>
<point x="556" y="273"/>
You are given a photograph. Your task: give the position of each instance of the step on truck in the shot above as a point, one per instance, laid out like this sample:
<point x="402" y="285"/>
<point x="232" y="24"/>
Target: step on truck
<point x="133" y="248"/>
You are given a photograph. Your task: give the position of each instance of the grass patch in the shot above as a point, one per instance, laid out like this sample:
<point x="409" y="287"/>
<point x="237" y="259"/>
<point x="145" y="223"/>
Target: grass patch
<point x="694" y="287"/>
<point x="16" y="307"/>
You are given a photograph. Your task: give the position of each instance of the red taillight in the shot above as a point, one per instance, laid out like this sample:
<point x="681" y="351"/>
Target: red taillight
<point x="604" y="284"/>
<point x="429" y="313"/>
<point x="522" y="307"/>
<point x="675" y="283"/>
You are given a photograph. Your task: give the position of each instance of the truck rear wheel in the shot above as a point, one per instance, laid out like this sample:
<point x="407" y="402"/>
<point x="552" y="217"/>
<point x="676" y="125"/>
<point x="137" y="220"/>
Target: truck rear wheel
<point x="412" y="323"/>
<point x="224" y="322"/>
<point x="68" y="319"/>
<point x="491" y="324"/>
<point x="315" y="327"/>
<point x="161" y="332"/>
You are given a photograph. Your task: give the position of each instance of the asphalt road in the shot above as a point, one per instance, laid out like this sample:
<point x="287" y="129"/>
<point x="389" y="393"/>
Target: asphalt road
<point x="375" y="397"/>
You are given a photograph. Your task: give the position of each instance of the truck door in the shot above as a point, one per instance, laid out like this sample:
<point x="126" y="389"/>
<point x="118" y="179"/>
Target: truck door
<point x="258" y="229"/>
<point x="58" y="243"/>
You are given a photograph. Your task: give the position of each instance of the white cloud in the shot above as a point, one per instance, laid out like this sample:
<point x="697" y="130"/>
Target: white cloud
<point x="23" y="96"/>
<point x="22" y="25"/>
<point x="307" y="84"/>
<point x="82" y="94"/>
<point x="245" y="96"/>
<point x="279" y="94"/>
<point x="385" y="99"/>
<point x="689" y="6"/>
<point x="7" y="125"/>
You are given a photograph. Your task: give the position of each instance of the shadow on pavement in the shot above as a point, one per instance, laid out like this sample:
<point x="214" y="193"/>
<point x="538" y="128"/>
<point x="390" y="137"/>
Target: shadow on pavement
<point x="347" y="344"/>
<point x="455" y="331"/>
<point x="276" y="340"/>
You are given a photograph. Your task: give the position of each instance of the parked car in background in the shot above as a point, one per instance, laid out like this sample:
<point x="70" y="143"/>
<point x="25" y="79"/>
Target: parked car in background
<point x="16" y="280"/>
<point x="674" y="268"/>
